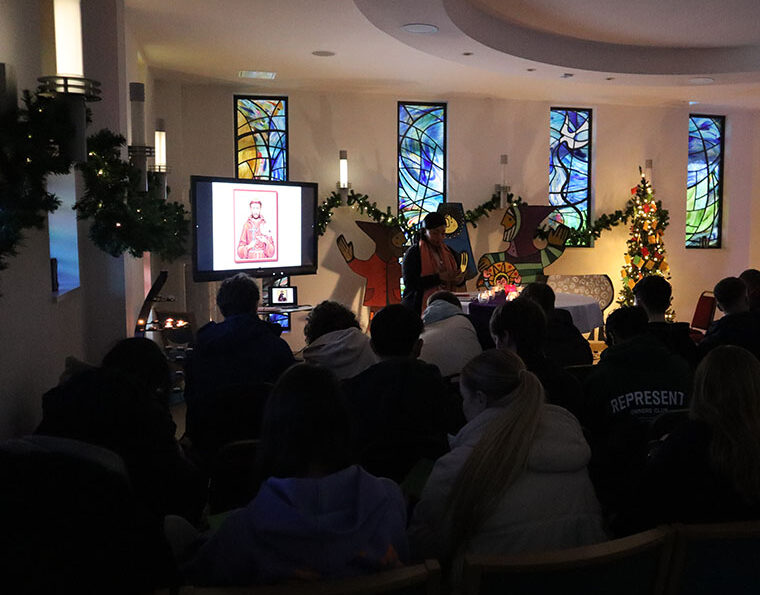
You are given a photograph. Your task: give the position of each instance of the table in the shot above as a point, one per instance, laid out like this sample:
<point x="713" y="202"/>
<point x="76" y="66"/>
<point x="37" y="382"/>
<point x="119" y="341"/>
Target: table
<point x="585" y="310"/>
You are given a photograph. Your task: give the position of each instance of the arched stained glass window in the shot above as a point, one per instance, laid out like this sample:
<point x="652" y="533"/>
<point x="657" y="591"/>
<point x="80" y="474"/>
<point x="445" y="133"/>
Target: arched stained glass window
<point x="570" y="166"/>
<point x="421" y="158"/>
<point x="261" y="138"/>
<point x="704" y="185"/>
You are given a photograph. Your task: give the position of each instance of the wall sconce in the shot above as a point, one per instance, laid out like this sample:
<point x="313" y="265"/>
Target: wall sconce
<point x="69" y="86"/>
<point x="648" y="170"/>
<point x="343" y="184"/>
<point x="138" y="151"/>
<point x="502" y="189"/>
<point x="160" y="168"/>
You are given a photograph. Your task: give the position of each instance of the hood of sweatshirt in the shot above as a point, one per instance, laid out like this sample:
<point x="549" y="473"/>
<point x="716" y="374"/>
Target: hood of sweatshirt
<point x="559" y="445"/>
<point x="440" y="310"/>
<point x="346" y="352"/>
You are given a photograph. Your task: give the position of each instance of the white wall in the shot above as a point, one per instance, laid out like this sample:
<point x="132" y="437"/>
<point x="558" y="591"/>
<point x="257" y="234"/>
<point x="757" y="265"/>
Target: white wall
<point x="480" y="130"/>
<point x="38" y="330"/>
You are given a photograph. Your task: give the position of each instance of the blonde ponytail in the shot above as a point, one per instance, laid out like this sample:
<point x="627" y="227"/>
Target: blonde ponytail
<point x="501" y="454"/>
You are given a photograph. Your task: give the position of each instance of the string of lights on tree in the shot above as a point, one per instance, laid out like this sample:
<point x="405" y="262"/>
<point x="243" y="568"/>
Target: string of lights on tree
<point x="30" y="138"/>
<point x="645" y="250"/>
<point x="124" y="217"/>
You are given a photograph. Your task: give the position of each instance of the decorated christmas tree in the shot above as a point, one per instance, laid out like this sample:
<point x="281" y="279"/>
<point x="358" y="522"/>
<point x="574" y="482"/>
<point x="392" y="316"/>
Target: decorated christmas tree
<point x="646" y="251"/>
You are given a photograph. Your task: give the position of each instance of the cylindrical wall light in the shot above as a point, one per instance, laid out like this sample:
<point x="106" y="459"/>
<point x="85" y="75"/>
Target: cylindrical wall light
<point x="343" y="169"/>
<point x="160" y="146"/>
<point x="68" y="37"/>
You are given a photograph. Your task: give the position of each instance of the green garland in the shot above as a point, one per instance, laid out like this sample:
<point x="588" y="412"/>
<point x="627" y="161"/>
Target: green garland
<point x="362" y="202"/>
<point x="125" y="218"/>
<point x="30" y="140"/>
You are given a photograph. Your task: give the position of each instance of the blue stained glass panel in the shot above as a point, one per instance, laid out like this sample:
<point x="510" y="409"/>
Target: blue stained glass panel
<point x="261" y="140"/>
<point x="570" y="166"/>
<point x="704" y="184"/>
<point x="421" y="158"/>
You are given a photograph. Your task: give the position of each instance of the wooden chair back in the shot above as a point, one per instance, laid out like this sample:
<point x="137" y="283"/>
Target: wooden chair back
<point x="634" y="565"/>
<point x="421" y="579"/>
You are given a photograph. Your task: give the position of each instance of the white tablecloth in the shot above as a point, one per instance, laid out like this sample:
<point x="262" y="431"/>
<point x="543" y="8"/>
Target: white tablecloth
<point x="584" y="310"/>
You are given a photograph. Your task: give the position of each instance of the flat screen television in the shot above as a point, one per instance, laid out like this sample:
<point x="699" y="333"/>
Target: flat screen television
<point x="263" y="228"/>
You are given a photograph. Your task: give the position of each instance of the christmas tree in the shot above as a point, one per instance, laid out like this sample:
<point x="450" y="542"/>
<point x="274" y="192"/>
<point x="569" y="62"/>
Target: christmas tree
<point x="646" y="251"/>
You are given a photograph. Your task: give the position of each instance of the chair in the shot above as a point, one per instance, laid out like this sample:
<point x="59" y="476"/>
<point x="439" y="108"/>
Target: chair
<point x="598" y="287"/>
<point x="635" y="565"/>
<point x="70" y="522"/>
<point x="233" y="482"/>
<point x="703" y="315"/>
<point x="716" y="559"/>
<point x="421" y="579"/>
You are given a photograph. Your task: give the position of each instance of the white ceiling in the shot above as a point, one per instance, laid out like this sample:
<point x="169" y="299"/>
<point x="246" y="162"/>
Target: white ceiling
<point x="639" y="52"/>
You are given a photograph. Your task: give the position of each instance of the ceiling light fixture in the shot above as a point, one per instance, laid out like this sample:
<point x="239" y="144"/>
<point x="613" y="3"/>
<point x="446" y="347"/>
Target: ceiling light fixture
<point x="531" y="69"/>
<point x="701" y="80"/>
<point x="323" y="53"/>
<point x="566" y="75"/>
<point x="256" y="74"/>
<point x="467" y="53"/>
<point x="423" y="28"/>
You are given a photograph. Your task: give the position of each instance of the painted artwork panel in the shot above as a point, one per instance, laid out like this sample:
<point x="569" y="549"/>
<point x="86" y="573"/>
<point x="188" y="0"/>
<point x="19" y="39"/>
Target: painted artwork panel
<point x="570" y="166"/>
<point x="704" y="184"/>
<point x="421" y="159"/>
<point x="261" y="138"/>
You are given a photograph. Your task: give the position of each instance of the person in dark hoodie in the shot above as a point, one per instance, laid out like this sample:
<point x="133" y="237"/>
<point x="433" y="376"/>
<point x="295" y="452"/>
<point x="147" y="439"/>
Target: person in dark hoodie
<point x="564" y="342"/>
<point x="316" y="516"/>
<point x="636" y="379"/>
<point x="401" y="406"/>
<point x="241" y="351"/>
<point x="653" y="293"/>
<point x="738" y="326"/>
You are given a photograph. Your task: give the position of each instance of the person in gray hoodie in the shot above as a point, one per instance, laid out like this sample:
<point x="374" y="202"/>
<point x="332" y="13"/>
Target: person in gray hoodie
<point x="334" y="340"/>
<point x="449" y="340"/>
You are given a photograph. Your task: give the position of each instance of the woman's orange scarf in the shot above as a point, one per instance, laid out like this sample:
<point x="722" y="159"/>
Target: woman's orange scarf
<point x="436" y="262"/>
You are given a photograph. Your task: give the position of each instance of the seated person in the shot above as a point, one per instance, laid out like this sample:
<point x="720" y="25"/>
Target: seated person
<point x="520" y="326"/>
<point x="449" y="340"/>
<point x="636" y="380"/>
<point x="564" y="343"/>
<point x="123" y="406"/>
<point x="239" y="352"/>
<point x="653" y="293"/>
<point x="335" y="340"/>
<point x="708" y="469"/>
<point x="317" y="515"/>
<point x="751" y="278"/>
<point x="515" y="480"/>
<point x="738" y="326"/>
<point x="400" y="405"/>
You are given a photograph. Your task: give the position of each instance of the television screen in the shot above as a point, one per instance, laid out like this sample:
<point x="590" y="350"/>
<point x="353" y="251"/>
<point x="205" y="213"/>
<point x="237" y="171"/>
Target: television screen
<point x="263" y="228"/>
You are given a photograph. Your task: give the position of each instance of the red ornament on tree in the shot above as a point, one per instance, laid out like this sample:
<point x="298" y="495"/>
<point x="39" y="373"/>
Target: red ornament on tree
<point x="644" y="251"/>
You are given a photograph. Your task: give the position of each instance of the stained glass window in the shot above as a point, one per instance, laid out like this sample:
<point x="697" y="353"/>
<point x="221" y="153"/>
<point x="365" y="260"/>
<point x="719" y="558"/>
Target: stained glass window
<point x="570" y="166"/>
<point x="261" y="139"/>
<point x="421" y="158"/>
<point x="704" y="185"/>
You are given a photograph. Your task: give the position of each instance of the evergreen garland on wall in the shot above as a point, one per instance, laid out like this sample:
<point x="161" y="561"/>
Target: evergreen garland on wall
<point x="30" y="140"/>
<point x="124" y="217"/>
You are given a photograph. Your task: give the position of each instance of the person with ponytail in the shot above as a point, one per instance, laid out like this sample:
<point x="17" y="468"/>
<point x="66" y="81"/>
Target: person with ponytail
<point x="708" y="468"/>
<point x="515" y="480"/>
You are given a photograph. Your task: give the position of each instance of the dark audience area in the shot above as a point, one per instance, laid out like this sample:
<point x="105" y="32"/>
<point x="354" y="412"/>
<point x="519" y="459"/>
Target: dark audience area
<point x="364" y="458"/>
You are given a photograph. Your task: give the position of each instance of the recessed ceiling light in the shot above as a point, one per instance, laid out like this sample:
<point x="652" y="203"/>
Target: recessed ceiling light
<point x="419" y="28"/>
<point x="693" y="102"/>
<point x="467" y="53"/>
<point x="531" y="69"/>
<point x="701" y="80"/>
<point x="323" y="53"/>
<point x="256" y="74"/>
<point x="566" y="75"/>
<point x="610" y="78"/>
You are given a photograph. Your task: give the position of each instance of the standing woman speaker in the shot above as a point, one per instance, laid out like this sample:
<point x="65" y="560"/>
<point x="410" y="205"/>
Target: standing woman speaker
<point x="430" y="264"/>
